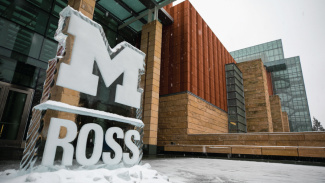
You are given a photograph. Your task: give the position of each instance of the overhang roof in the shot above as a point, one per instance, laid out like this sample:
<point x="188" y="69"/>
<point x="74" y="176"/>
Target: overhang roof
<point x="134" y="13"/>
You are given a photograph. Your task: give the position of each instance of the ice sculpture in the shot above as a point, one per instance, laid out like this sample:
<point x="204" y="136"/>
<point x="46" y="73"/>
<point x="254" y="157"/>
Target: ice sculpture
<point x="89" y="45"/>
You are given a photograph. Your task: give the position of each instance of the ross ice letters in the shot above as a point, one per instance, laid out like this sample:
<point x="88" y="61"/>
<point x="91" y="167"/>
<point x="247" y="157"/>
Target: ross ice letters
<point x="53" y="141"/>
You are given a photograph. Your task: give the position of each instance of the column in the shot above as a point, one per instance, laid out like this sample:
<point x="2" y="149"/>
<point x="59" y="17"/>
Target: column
<point x="151" y="45"/>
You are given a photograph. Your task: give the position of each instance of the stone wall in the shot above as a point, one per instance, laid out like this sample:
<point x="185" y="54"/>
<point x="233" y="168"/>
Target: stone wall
<point x="285" y="122"/>
<point x="269" y="82"/>
<point x="257" y="103"/>
<point x="276" y="112"/>
<point x="204" y="118"/>
<point x="172" y="120"/>
<point x="184" y="113"/>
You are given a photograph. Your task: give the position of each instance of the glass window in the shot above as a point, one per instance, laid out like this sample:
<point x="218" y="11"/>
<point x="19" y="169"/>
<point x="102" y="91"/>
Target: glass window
<point x="25" y="42"/>
<point x="59" y="5"/>
<point x="274" y="44"/>
<point x="18" y="73"/>
<point x="20" y="40"/>
<point x="52" y="26"/>
<point x="48" y="50"/>
<point x="7" y="68"/>
<point x="11" y="117"/>
<point x="279" y="43"/>
<point x="43" y="4"/>
<point x="260" y="48"/>
<point x="26" y="15"/>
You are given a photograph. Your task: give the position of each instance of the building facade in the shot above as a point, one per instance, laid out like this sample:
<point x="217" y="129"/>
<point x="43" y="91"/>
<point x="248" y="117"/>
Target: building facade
<point x="27" y="30"/>
<point x="287" y="80"/>
<point x="194" y="92"/>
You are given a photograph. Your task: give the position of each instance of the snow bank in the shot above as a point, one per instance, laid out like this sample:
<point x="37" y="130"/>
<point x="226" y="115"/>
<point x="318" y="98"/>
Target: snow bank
<point x="133" y="174"/>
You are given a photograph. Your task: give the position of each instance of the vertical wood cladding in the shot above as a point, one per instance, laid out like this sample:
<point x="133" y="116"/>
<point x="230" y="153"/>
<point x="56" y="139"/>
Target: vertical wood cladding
<point x="193" y="58"/>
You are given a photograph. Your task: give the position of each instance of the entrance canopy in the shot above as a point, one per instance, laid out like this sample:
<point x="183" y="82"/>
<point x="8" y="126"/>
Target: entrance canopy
<point x="133" y="14"/>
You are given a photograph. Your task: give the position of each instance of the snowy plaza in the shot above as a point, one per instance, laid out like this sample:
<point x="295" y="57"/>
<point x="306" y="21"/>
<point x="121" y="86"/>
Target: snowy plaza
<point x="177" y="170"/>
<point x="156" y="91"/>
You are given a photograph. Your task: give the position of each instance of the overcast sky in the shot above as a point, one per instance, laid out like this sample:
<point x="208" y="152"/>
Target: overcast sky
<point x="299" y="23"/>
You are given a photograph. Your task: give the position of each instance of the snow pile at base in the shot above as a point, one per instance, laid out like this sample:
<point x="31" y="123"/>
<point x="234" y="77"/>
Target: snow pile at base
<point x="133" y="174"/>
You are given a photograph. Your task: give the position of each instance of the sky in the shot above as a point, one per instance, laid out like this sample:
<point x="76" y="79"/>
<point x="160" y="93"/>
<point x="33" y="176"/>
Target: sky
<point x="299" y="23"/>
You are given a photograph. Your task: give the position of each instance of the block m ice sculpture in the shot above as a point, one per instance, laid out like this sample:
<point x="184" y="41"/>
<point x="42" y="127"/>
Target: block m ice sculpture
<point x="89" y="47"/>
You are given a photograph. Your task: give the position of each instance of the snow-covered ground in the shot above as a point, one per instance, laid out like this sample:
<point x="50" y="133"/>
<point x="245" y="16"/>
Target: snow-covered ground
<point x="175" y="170"/>
<point x="134" y="174"/>
<point x="221" y="170"/>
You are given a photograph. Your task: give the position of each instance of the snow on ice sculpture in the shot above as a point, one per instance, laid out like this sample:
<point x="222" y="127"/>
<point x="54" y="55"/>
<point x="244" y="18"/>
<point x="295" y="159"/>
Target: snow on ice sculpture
<point x="89" y="45"/>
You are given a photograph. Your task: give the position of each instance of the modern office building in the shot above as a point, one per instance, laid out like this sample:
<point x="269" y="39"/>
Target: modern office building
<point x="287" y="80"/>
<point x="193" y="87"/>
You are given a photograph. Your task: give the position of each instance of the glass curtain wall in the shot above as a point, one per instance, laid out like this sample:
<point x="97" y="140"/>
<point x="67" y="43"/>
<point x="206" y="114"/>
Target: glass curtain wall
<point x="289" y="85"/>
<point x="287" y="80"/>
<point x="272" y="50"/>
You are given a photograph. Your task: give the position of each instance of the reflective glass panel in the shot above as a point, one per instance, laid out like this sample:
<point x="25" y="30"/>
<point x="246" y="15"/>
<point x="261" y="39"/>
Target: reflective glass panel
<point x="26" y="15"/>
<point x="12" y="114"/>
<point x="43" y="4"/>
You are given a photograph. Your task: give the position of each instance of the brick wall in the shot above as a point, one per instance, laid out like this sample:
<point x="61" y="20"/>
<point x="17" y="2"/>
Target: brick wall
<point x="193" y="58"/>
<point x="184" y="113"/>
<point x="276" y="113"/>
<point x="257" y="103"/>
